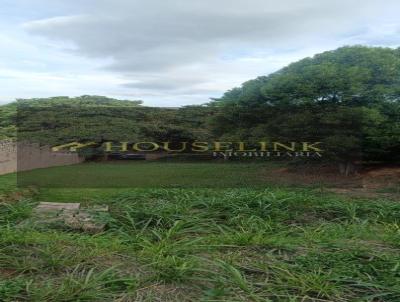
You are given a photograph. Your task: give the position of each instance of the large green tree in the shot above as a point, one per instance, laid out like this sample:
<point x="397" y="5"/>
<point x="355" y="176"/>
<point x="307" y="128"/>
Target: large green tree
<point x="348" y="98"/>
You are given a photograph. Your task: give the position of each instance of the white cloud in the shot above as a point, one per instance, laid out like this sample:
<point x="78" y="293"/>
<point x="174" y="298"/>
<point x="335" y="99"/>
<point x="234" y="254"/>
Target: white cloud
<point x="175" y="52"/>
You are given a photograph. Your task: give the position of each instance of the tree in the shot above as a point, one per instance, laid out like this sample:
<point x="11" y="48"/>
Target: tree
<point x="348" y="98"/>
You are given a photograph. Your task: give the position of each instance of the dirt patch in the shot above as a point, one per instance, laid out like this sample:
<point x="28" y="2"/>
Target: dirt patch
<point x="368" y="182"/>
<point x="363" y="192"/>
<point x="6" y="273"/>
<point x="381" y="178"/>
<point x="165" y="292"/>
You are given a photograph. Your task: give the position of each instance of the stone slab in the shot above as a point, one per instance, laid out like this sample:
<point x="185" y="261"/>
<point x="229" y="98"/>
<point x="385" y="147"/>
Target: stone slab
<point x="70" y="215"/>
<point x="57" y="207"/>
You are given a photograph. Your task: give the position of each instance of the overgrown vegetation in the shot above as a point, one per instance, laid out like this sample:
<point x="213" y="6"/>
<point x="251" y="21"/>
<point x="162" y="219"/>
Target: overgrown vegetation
<point x="214" y="232"/>
<point x="243" y="244"/>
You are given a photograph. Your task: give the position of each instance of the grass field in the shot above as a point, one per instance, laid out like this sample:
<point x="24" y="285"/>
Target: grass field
<point x="236" y="241"/>
<point x="149" y="174"/>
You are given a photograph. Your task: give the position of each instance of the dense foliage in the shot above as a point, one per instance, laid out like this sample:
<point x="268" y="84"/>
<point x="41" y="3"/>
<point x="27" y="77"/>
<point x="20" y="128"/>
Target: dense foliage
<point x="348" y="99"/>
<point x="60" y="120"/>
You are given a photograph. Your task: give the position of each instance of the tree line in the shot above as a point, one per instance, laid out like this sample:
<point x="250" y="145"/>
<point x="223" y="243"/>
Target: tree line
<point x="348" y="99"/>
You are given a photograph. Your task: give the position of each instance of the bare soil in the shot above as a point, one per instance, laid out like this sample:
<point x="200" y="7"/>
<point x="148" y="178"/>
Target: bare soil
<point x="370" y="181"/>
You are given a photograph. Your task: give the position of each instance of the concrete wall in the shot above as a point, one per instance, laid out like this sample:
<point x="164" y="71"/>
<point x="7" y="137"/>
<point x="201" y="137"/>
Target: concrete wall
<point x="8" y="157"/>
<point x="23" y="156"/>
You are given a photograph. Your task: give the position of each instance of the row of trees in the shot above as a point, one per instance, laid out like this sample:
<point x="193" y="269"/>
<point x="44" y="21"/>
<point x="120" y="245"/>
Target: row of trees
<point x="59" y="120"/>
<point x="349" y="99"/>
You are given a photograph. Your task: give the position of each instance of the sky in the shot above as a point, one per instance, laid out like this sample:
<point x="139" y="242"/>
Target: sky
<point x="173" y="52"/>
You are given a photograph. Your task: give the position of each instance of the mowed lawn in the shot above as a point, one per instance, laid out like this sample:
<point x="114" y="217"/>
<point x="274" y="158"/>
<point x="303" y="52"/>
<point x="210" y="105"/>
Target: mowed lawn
<point x="149" y="174"/>
<point x="231" y="242"/>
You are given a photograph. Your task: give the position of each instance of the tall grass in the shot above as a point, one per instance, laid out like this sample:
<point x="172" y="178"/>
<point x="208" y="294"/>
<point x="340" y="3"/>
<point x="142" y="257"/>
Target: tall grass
<point x="207" y="245"/>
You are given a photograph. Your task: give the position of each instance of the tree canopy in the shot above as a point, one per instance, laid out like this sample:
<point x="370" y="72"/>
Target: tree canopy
<point x="348" y="99"/>
<point x="354" y="75"/>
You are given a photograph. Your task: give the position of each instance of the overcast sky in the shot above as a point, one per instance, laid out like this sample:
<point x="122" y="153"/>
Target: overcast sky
<point x="173" y="52"/>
